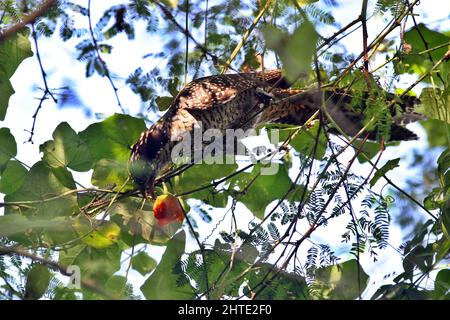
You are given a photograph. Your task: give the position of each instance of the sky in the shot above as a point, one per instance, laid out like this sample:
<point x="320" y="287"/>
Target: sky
<point x="96" y="94"/>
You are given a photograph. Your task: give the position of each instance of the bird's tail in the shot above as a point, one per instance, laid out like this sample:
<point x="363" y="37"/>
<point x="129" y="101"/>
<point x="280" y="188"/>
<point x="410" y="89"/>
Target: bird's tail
<point x="347" y="111"/>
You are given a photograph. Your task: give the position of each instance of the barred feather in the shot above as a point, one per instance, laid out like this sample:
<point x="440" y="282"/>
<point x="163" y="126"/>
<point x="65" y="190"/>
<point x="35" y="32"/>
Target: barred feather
<point x="246" y="100"/>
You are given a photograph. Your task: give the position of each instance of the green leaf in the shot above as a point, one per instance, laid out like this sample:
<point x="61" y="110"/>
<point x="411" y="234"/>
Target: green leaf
<point x="203" y="174"/>
<point x="340" y="281"/>
<point x="44" y="194"/>
<point x="261" y="188"/>
<point x="64" y="293"/>
<point x="370" y="149"/>
<point x="141" y="223"/>
<point x="173" y="86"/>
<point x="96" y="265"/>
<point x="109" y="173"/>
<point x="110" y="143"/>
<point x="391" y="164"/>
<point x="15" y="223"/>
<point x="296" y="51"/>
<point x="303" y="141"/>
<point x="217" y="261"/>
<point x="163" y="282"/>
<point x="13" y="51"/>
<point x="433" y="200"/>
<point x="400" y="291"/>
<point x="102" y="236"/>
<point x="164" y="103"/>
<point x="118" y="285"/>
<point x="437" y="132"/>
<point x="67" y="150"/>
<point x="64" y="176"/>
<point x="441" y="284"/>
<point x="435" y="104"/>
<point x="286" y="285"/>
<point x="442" y="198"/>
<point x="8" y="147"/>
<point x="247" y="253"/>
<point x="38" y="279"/>
<point x="113" y="137"/>
<point x="420" y="257"/>
<point x="446" y="217"/>
<point x="444" y="162"/>
<point x="59" y="233"/>
<point x="143" y="263"/>
<point x="12" y="177"/>
<point x="413" y="62"/>
<point x="442" y="247"/>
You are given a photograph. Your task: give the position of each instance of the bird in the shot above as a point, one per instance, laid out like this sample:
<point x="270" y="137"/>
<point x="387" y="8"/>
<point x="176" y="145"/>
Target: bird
<point x="247" y="100"/>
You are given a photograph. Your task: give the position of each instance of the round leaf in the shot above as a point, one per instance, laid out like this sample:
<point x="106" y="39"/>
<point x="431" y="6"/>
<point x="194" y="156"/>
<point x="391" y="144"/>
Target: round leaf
<point x="38" y="279"/>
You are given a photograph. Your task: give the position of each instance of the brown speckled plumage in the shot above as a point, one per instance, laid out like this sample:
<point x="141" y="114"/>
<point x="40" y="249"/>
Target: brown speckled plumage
<point x="234" y="101"/>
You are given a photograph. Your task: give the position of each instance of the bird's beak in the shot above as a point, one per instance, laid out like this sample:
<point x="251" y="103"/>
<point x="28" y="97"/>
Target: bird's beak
<point x="149" y="190"/>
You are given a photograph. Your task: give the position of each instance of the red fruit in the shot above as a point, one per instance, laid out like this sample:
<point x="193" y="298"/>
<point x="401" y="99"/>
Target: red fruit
<point x="167" y="209"/>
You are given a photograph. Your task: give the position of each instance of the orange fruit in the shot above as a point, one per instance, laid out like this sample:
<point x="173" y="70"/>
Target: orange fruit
<point x="167" y="209"/>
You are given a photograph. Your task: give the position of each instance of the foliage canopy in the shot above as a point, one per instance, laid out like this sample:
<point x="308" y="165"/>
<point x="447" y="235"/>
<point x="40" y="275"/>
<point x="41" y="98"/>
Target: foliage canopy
<point x="51" y="222"/>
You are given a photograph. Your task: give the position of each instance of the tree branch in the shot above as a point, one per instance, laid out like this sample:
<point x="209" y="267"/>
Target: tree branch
<point x="14" y="250"/>
<point x="30" y="18"/>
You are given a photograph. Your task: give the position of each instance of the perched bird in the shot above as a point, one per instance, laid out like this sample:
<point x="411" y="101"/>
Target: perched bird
<point x="246" y="100"/>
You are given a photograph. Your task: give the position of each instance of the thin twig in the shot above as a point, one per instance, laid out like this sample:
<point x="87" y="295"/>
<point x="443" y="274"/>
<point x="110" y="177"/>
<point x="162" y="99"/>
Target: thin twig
<point x="313" y="226"/>
<point x="425" y="43"/>
<point x="47" y="91"/>
<point x="389" y="181"/>
<point x="202" y="251"/>
<point x="100" y="59"/>
<point x="170" y="16"/>
<point x="444" y="58"/>
<point x="365" y="37"/>
<point x="186" y="58"/>
<point x="245" y="37"/>
<point x="379" y="39"/>
<point x="328" y="40"/>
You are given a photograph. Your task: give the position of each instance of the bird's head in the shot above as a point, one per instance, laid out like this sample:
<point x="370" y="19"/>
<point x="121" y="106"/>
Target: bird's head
<point x="143" y="174"/>
<point x="145" y="162"/>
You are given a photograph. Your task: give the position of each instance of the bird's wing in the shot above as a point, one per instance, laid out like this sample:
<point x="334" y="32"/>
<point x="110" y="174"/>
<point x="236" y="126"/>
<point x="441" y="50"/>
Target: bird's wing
<point x="212" y="91"/>
<point x="339" y="105"/>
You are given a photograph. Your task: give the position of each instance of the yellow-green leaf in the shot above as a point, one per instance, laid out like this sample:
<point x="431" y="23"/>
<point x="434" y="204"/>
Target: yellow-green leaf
<point x="102" y="236"/>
